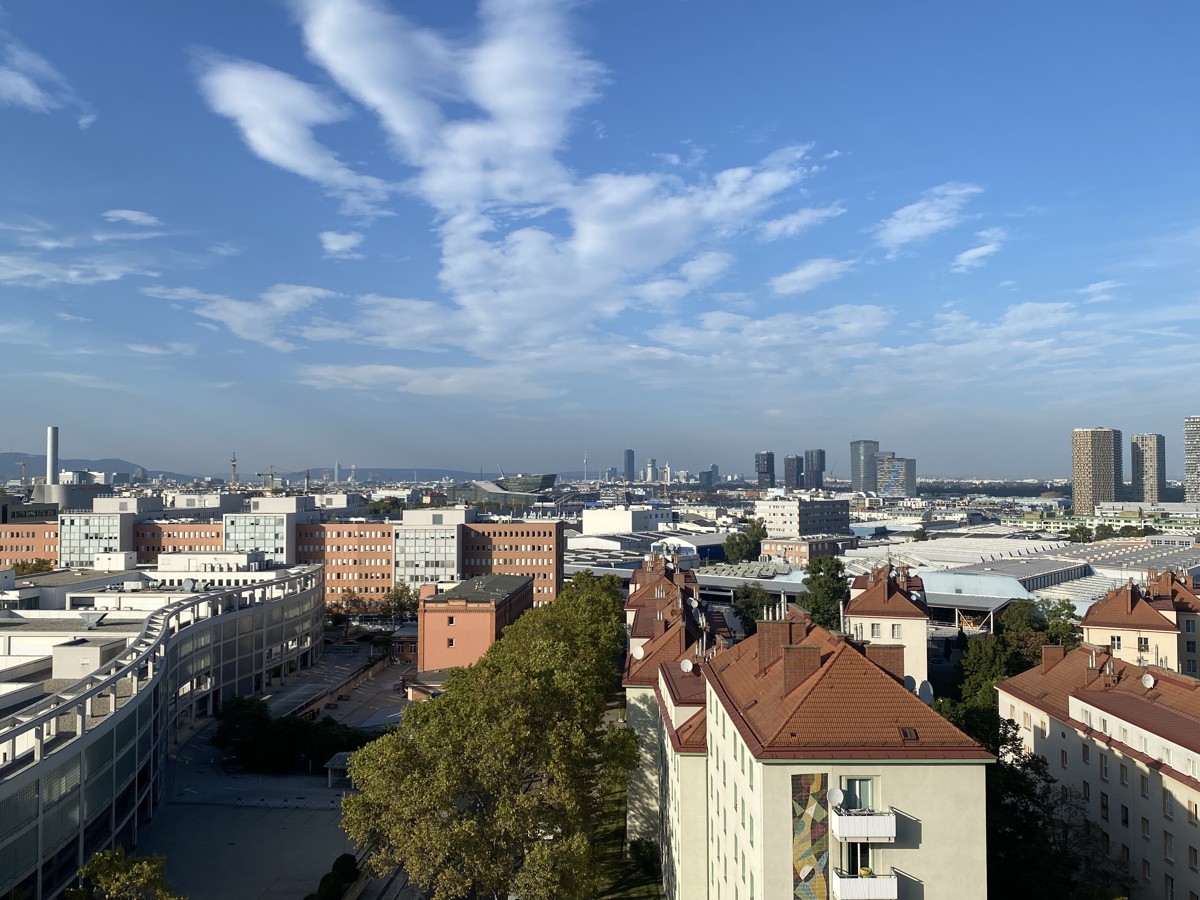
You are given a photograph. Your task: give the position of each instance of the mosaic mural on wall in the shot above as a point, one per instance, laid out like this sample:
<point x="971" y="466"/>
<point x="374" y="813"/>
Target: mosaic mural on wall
<point x="810" y="836"/>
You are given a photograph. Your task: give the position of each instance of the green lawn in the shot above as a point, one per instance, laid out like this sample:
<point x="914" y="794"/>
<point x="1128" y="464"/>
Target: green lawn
<point x="621" y="880"/>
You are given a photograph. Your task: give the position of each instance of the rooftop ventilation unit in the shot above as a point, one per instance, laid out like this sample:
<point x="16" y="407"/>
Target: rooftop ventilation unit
<point x="91" y="619"/>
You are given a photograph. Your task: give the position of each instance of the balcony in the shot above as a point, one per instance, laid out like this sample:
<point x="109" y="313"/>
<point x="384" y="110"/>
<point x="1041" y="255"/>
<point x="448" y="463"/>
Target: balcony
<point x="863" y="887"/>
<point x="864" y="826"/>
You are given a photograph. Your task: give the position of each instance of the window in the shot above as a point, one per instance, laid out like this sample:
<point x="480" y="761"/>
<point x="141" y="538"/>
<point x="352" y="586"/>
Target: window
<point x="876" y="630"/>
<point x="895" y="632"/>
<point x="1191" y="646"/>
<point x="1193" y="859"/>
<point x="1087" y="791"/>
<point x="1193" y="813"/>
<point x="1145" y="785"/>
<point x="1124" y="774"/>
<point x="1114" y="641"/>
<point x="1062" y="757"/>
<point x="1104" y="766"/>
<point x="449" y="620"/>
<point x="1143" y="645"/>
<point x="1086" y="754"/>
<point x="1026" y="721"/>
<point x="1168" y="804"/>
<point x="1145" y="870"/>
<point x="449" y="642"/>
<point x="1124" y="815"/>
<point x="1191" y="667"/>
<point x="1168" y="846"/>
<point x="1189" y="626"/>
<point x="1145" y="828"/>
<point x="1103" y="806"/>
<point x="1168" y="888"/>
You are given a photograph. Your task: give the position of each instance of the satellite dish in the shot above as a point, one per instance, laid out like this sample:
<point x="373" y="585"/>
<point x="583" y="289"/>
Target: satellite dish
<point x="693" y="603"/>
<point x="836" y="796"/>
<point x="910" y="683"/>
<point x="685" y="666"/>
<point x="925" y="692"/>
<point x="639" y="652"/>
<point x="1147" y="681"/>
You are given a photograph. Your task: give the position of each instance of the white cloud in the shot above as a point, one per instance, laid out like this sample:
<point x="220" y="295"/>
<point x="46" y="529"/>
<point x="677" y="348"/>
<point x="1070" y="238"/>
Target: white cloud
<point x="341" y="245"/>
<point x="28" y="81"/>
<point x="33" y="271"/>
<point x="71" y="317"/>
<point x="131" y="216"/>
<point x="1101" y="291"/>
<point x="810" y="275"/>
<point x="799" y="221"/>
<point x="993" y="240"/>
<point x="276" y="115"/>
<point x="251" y="320"/>
<point x="499" y="382"/>
<point x="172" y="348"/>
<point x="939" y="209"/>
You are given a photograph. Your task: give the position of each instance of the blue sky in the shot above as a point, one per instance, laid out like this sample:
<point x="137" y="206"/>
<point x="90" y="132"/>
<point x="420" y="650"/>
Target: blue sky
<point x="458" y="234"/>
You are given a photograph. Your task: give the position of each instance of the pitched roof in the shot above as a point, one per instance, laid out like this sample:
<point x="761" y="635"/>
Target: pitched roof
<point x="1170" y="589"/>
<point x="1170" y="707"/>
<point x="847" y="708"/>
<point x="889" y="597"/>
<point x="1128" y="606"/>
<point x="692" y="735"/>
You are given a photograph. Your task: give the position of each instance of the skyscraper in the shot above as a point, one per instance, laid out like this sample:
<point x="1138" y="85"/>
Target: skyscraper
<point x="764" y="467"/>
<point x="630" y="470"/>
<point x="862" y="466"/>
<point x="793" y="471"/>
<point x="814" y="468"/>
<point x="652" y="469"/>
<point x="1148" y="467"/>
<point x="896" y="476"/>
<point x="1097" y="468"/>
<point x="1191" y="459"/>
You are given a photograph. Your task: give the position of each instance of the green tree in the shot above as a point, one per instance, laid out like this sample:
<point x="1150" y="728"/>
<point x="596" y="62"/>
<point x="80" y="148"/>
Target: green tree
<point x="32" y="567"/>
<point x="825" y="579"/>
<point x="491" y="788"/>
<point x="388" y="506"/>
<point x="986" y="662"/>
<point x="1062" y="623"/>
<point x="111" y="875"/>
<point x="1080" y="534"/>
<point x="1022" y="633"/>
<point x="1104" y="531"/>
<point x="920" y="534"/>
<point x="744" y="546"/>
<point x="400" y="602"/>
<point x="749" y="601"/>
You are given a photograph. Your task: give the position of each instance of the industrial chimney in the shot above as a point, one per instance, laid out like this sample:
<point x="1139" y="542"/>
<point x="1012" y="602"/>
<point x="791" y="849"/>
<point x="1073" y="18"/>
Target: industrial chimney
<point x="52" y="454"/>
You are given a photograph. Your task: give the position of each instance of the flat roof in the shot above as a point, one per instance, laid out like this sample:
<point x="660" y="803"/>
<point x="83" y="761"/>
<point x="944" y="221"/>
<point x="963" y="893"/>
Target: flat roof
<point x="484" y="589"/>
<point x="63" y="577"/>
<point x="70" y="625"/>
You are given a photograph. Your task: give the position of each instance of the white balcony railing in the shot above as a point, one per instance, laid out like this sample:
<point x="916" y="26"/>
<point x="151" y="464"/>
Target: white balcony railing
<point x="864" y="887"/>
<point x="867" y="826"/>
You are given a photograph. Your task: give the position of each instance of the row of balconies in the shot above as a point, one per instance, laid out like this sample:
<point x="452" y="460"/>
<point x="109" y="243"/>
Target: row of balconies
<point x="863" y="826"/>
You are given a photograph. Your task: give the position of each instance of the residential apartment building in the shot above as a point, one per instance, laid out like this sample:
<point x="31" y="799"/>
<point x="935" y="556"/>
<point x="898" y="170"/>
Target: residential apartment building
<point x="895" y="476"/>
<point x="800" y="550"/>
<point x="794" y="764"/>
<point x="1151" y="624"/>
<point x="1097" y="468"/>
<point x="1124" y="736"/>
<point x="814" y="469"/>
<point x="794" y="517"/>
<point x="764" y="468"/>
<point x="891" y="610"/>
<point x="1148" y="468"/>
<point x="1191" y="459"/>
<point x="456" y="627"/>
<point x="793" y="472"/>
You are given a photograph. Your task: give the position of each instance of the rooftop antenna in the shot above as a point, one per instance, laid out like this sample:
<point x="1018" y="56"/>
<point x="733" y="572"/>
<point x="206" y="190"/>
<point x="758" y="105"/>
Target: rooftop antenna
<point x="233" y="469"/>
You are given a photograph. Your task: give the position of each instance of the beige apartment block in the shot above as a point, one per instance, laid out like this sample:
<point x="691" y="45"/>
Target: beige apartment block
<point x="1152" y="624"/>
<point x="1126" y="737"/>
<point x="891" y="610"/>
<point x="1097" y="468"/>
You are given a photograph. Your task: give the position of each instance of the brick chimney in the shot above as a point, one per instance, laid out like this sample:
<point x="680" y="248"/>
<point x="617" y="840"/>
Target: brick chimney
<point x="889" y="657"/>
<point x="1052" y="654"/>
<point x="771" y="637"/>
<point x="799" y="662"/>
<point x="661" y="626"/>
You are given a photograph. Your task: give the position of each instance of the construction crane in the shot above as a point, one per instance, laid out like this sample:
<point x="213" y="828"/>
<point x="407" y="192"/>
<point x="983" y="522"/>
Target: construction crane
<point x="272" y="471"/>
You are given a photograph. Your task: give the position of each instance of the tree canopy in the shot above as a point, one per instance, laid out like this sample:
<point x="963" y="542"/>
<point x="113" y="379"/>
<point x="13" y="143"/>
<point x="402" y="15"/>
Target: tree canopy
<point x="492" y="788"/>
<point x="111" y="875"/>
<point x="749" y="601"/>
<point x="745" y="546"/>
<point x="262" y="743"/>
<point x="825" y="579"/>
<point x="32" y="567"/>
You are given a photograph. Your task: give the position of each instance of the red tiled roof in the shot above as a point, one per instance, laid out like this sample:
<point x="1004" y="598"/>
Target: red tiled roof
<point x="1128" y="606"/>
<point x="886" y="598"/>
<point x="1171" y="589"/>
<point x="692" y="735"/>
<point x="848" y="708"/>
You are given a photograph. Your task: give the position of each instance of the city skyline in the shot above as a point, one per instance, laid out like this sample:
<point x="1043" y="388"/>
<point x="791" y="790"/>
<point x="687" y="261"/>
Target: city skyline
<point x="545" y="224"/>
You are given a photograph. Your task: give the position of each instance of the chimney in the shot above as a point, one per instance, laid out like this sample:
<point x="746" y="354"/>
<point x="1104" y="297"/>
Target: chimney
<point x="52" y="454"/>
<point x="771" y="637"/>
<point x="661" y="626"/>
<point x="799" y="662"/>
<point x="889" y="657"/>
<point x="1052" y="654"/>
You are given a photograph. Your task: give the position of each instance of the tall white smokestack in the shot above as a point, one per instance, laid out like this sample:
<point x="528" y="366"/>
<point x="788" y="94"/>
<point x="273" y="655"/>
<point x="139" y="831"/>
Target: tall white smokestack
<point x="52" y="454"/>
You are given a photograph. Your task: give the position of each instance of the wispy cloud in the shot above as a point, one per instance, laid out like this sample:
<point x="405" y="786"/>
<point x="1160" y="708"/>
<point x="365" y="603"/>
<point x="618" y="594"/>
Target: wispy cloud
<point x="252" y="320"/>
<point x="341" y="245"/>
<point x="28" y="81"/>
<point x="1101" y="291"/>
<point x="131" y="217"/>
<point x="172" y="348"/>
<point x="71" y="317"/>
<point x="34" y="271"/>
<point x="276" y="114"/>
<point x="939" y="209"/>
<point x="810" y="275"/>
<point x="993" y="240"/>
<point x="799" y="221"/>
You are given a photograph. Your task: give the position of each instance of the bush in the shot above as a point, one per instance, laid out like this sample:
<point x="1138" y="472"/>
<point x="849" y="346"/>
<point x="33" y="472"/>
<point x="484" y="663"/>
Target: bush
<point x="646" y="856"/>
<point x="345" y="867"/>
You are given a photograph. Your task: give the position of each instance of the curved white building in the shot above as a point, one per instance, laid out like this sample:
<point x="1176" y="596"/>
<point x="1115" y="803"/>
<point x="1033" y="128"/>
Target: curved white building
<point x="82" y="762"/>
